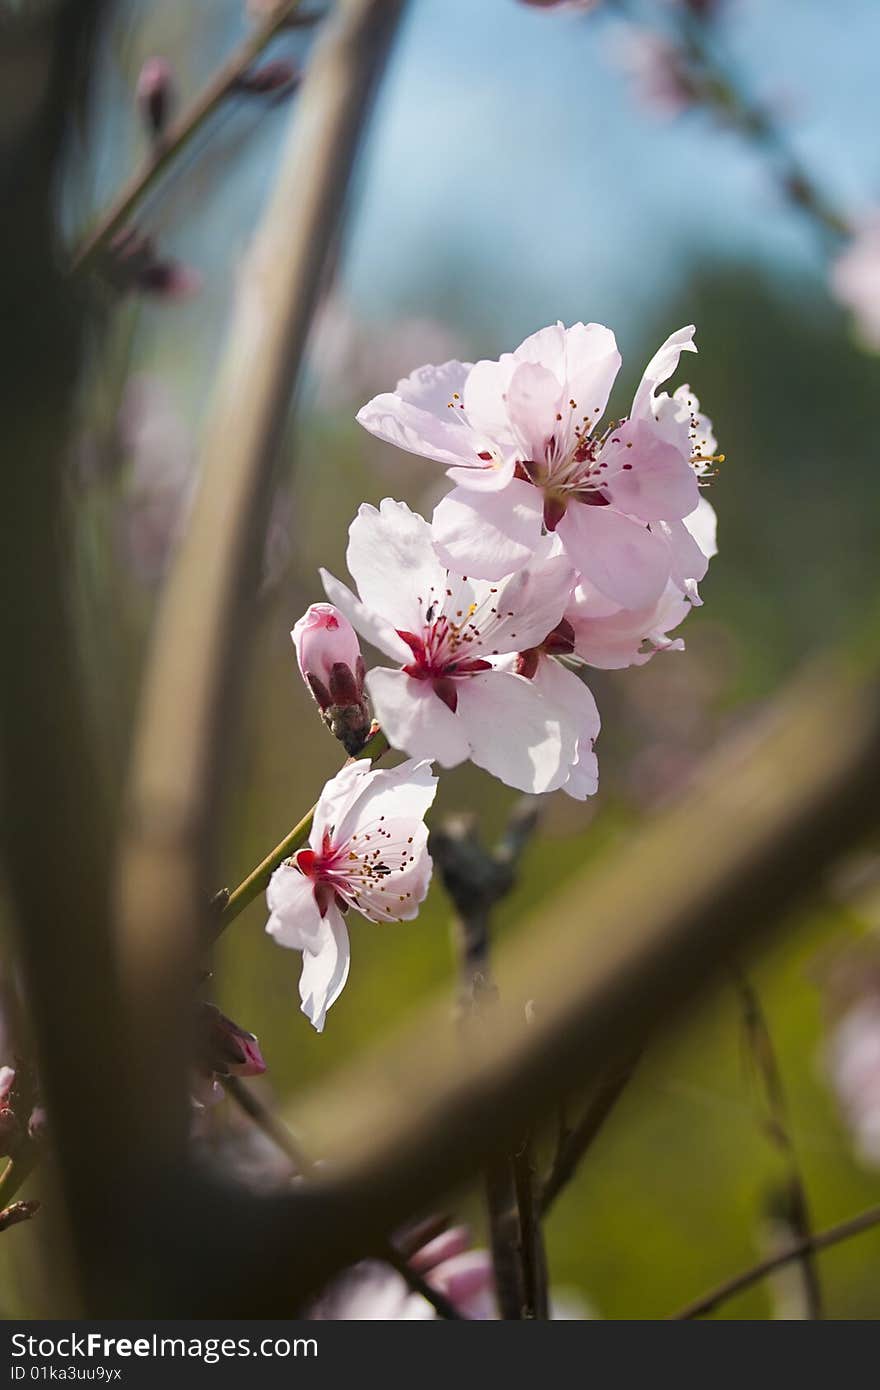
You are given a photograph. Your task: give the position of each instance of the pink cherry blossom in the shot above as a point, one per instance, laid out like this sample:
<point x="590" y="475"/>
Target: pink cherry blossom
<point x="853" y="1060"/>
<point x="370" y="1291"/>
<point x="368" y="849"/>
<point x="448" y="699"/>
<point x="611" y="637"/>
<point x="855" y="280"/>
<point x="567" y="694"/>
<point x="520" y="438"/>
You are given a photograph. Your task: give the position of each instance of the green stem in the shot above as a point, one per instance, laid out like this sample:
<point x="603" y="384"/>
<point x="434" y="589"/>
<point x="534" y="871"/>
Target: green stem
<point x="258" y="878"/>
<point x="16" y="1174"/>
<point x="181" y="133"/>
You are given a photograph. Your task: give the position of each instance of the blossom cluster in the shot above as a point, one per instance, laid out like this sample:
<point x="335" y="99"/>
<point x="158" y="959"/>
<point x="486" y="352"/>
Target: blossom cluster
<point x="566" y="541"/>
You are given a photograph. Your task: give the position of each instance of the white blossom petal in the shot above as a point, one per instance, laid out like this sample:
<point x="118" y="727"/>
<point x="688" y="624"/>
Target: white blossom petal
<point x="488" y="535"/>
<point x="391" y="559"/>
<point x="513" y="733"/>
<point x="414" y="719"/>
<point x="624" y="560"/>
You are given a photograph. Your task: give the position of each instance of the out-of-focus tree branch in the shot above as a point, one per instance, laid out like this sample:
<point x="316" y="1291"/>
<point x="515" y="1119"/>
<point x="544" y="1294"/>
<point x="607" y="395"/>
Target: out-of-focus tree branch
<point x="199" y="651"/>
<point x="181" y="132"/>
<point x="619" y="953"/>
<point x="823" y="1240"/>
<point x="56" y="827"/>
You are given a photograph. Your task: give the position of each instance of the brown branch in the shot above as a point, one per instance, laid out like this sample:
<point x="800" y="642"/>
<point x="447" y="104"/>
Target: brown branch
<point x="621" y="947"/>
<point x="16" y="1213"/>
<point x="823" y="1241"/>
<point x="778" y="1130"/>
<point x="181" y="132"/>
<point x="574" y="1143"/>
<point x="57" y="835"/>
<point x="477" y="880"/>
<point x="277" y="1131"/>
<point x="197" y="663"/>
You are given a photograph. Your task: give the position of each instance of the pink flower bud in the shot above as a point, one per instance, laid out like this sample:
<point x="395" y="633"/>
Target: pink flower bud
<point x="329" y="656"/>
<point x="155" y="94"/>
<point x="226" y="1049"/>
<point x="269" y="78"/>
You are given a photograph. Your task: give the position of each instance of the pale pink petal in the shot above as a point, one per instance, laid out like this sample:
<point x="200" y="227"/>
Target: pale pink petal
<point x="391" y="558"/>
<point x="294" y="919"/>
<point x="546" y="347"/>
<point x="402" y="847"/>
<point x="592" y="362"/>
<point x="620" y="556"/>
<point x="488" y="535"/>
<point x="325" y="970"/>
<point x="611" y="637"/>
<point x="703" y="526"/>
<point x="490" y="476"/>
<point x="452" y="1242"/>
<point x="647" y="477"/>
<point x="484" y="397"/>
<point x="468" y="1281"/>
<point x="513" y="733"/>
<point x="660" y="368"/>
<point x="688" y="563"/>
<point x="534" y="399"/>
<point x="371" y="627"/>
<point x="414" y="719"/>
<point x="339" y="797"/>
<point x="404" y="791"/>
<point x="573" y="700"/>
<point x="528" y="605"/>
<point x="421" y="416"/>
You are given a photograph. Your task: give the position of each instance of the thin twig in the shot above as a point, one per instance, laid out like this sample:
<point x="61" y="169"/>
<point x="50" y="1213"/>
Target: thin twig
<point x="533" y="1254"/>
<point x="231" y="904"/>
<point x="195" y="674"/>
<point x="574" y="1143"/>
<point x="16" y="1213"/>
<point x="277" y="1131"/>
<point x="778" y="1130"/>
<point x="823" y="1241"/>
<point x="179" y="134"/>
<point x="476" y="880"/>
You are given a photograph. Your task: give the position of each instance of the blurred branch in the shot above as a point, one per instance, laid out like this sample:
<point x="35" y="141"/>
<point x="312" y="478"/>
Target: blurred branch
<point x="18" y="1212"/>
<point x="476" y="880"/>
<point x="574" y="1143"/>
<point x="198" y="659"/>
<point x="179" y="134"/>
<point x="57" y="832"/>
<point x="230" y="905"/>
<point x="280" y="1135"/>
<point x="615" y="954"/>
<point x="778" y="1130"/>
<point x="706" y="80"/>
<point x="823" y="1241"/>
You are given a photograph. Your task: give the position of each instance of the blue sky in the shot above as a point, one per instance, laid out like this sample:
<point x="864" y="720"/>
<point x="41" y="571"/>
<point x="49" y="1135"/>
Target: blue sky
<point x="512" y="176"/>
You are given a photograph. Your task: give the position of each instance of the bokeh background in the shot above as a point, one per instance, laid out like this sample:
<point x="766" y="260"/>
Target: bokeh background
<point x="515" y="174"/>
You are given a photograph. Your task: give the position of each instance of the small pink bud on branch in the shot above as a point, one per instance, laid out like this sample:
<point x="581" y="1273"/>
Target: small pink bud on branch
<point x="330" y="661"/>
<point x="269" y="79"/>
<point x="155" y="95"/>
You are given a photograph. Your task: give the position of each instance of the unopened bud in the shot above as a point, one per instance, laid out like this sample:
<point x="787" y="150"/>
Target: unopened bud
<point x="226" y="1049"/>
<point x="331" y="664"/>
<point x="38" y="1123"/>
<point x="269" y="78"/>
<point x="134" y="265"/>
<point x="155" y="95"/>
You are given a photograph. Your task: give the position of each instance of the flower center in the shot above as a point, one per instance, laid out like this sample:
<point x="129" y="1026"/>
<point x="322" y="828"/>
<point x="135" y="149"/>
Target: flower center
<point x="440" y="651"/>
